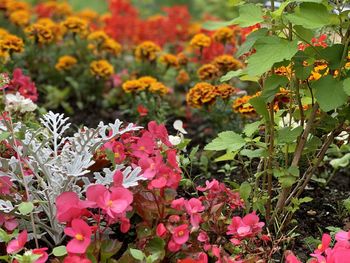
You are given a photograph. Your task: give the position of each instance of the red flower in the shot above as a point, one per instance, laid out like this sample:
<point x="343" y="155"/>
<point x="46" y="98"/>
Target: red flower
<point x="81" y="233"/>
<point x="17" y="245"/>
<point x="76" y="259"/>
<point x="41" y="251"/>
<point x="5" y="185"/>
<point x="143" y="111"/>
<point x="69" y="206"/>
<point x="249" y="226"/>
<point x="23" y="85"/>
<point x="161" y="230"/>
<point x="181" y="234"/>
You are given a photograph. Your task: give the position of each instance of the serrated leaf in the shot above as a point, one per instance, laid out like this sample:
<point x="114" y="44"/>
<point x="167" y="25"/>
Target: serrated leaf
<point x="227" y="140"/>
<point x="251" y="128"/>
<point x="244" y="190"/>
<point x="231" y="74"/>
<point x="226" y="157"/>
<point x="253" y="153"/>
<point x="249" y="15"/>
<point x="280" y="10"/>
<point x="250" y="41"/>
<point x="25" y="208"/>
<point x="329" y="93"/>
<point x="260" y="106"/>
<point x="288" y="134"/>
<point x="311" y="16"/>
<point x="270" y="50"/>
<point x="59" y="251"/>
<point x="272" y="85"/>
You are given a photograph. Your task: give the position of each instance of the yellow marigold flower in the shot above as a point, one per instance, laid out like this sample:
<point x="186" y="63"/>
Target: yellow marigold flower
<point x="147" y="81"/>
<point x="202" y="93"/>
<point x="111" y="46"/>
<point x="98" y="36"/>
<point x="65" y="63"/>
<point x="320" y="69"/>
<point x="76" y="25"/>
<point x="59" y="9"/>
<point x="39" y="33"/>
<point x="281" y="98"/>
<point x="20" y="18"/>
<point x="159" y="87"/>
<point x="208" y="72"/>
<point x="182" y="59"/>
<point x="200" y="41"/>
<point x="225" y="91"/>
<point x="194" y="28"/>
<point x="57" y="29"/>
<point x="242" y="105"/>
<point x="223" y="35"/>
<point x="284" y="71"/>
<point x="11" y="44"/>
<point x="3" y="33"/>
<point x="88" y="14"/>
<point x="347" y="65"/>
<point x="226" y="63"/>
<point x="147" y="50"/>
<point x="169" y="60"/>
<point x="13" y="6"/>
<point x="101" y="68"/>
<point x="182" y="77"/>
<point x="133" y="86"/>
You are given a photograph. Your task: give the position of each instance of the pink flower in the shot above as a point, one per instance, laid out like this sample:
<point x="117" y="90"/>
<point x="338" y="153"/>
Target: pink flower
<point x="17" y="245"/>
<point x="326" y="240"/>
<point x="5" y="185"/>
<point x="338" y="254"/>
<point x="193" y="208"/>
<point x="41" y="251"/>
<point x="178" y="204"/>
<point x="291" y="258"/>
<point x="81" y="233"/>
<point x="159" y="132"/>
<point x="69" y="206"/>
<point x="150" y="166"/>
<point x="246" y="227"/>
<point x="213" y="185"/>
<point x="76" y="259"/>
<point x="181" y="234"/>
<point x="124" y="224"/>
<point x="203" y="237"/>
<point x="114" y="202"/>
<point x="161" y="230"/>
<point x="118" y="179"/>
<point x="342" y="236"/>
<point x="9" y="221"/>
<point x="173" y="247"/>
<point x="23" y="85"/>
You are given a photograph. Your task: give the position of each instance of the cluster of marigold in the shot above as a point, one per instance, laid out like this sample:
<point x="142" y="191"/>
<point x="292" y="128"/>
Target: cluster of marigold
<point x="54" y="24"/>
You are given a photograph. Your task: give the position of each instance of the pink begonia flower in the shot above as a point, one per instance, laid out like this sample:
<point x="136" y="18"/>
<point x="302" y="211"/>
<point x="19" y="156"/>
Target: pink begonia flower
<point x="69" y="206"/>
<point x="8" y="221"/>
<point x="338" y="254"/>
<point x="159" y="132"/>
<point x="203" y="237"/>
<point x="174" y="218"/>
<point x="76" y="259"/>
<point x="246" y="227"/>
<point x="150" y="166"/>
<point x="41" y="251"/>
<point x="213" y="185"/>
<point x="144" y="146"/>
<point x="326" y="241"/>
<point x="161" y="230"/>
<point x="5" y="185"/>
<point x="173" y="247"/>
<point x="81" y="233"/>
<point x="17" y="245"/>
<point x="171" y="157"/>
<point x="113" y="202"/>
<point x="342" y="236"/>
<point x="23" y="85"/>
<point x="181" y="234"/>
<point x="124" y="224"/>
<point x="178" y="204"/>
<point x="118" y="149"/>
<point x="193" y="208"/>
<point x="118" y="178"/>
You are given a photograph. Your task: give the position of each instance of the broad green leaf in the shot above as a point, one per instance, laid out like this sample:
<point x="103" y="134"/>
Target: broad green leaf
<point x="333" y="55"/>
<point x="251" y="128"/>
<point x="340" y="162"/>
<point x="109" y="248"/>
<point x="346" y="86"/>
<point x="156" y="247"/>
<point x="254" y="153"/>
<point x="226" y="157"/>
<point x="227" y="140"/>
<point x="59" y="251"/>
<point x="250" y="41"/>
<point x="272" y="85"/>
<point x="4" y="135"/>
<point x="329" y="93"/>
<point x="280" y="10"/>
<point x="249" y="15"/>
<point x="213" y="25"/>
<point x="311" y="16"/>
<point x="244" y="190"/>
<point x="270" y="50"/>
<point x="306" y="34"/>
<point x="137" y="254"/>
<point x="288" y="134"/>
<point x="260" y="106"/>
<point x="4" y="237"/>
<point x="231" y="74"/>
<point x="286" y="177"/>
<point x="25" y="208"/>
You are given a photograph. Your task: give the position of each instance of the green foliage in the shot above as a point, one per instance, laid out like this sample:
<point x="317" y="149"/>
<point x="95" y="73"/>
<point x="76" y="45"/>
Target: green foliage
<point x="227" y="140"/>
<point x="59" y="251"/>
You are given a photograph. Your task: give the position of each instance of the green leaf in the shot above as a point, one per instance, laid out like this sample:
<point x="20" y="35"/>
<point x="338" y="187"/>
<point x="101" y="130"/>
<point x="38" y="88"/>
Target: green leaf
<point x="286" y="177"/>
<point x="251" y="128"/>
<point x="254" y="153"/>
<point x="25" y="208"/>
<point x="231" y="74"/>
<point x="249" y="15"/>
<point x="156" y="247"/>
<point x="306" y="34"/>
<point x="4" y="135"/>
<point x="109" y="248"/>
<point x="333" y="55"/>
<point x="137" y="254"/>
<point x="244" y="190"/>
<point x="250" y="41"/>
<point x="311" y="16"/>
<point x="227" y="140"/>
<point x="280" y="10"/>
<point x="272" y="85"/>
<point x="4" y="237"/>
<point x="260" y="106"/>
<point x="59" y="251"/>
<point x="226" y="157"/>
<point x="329" y="93"/>
<point x="270" y="50"/>
<point x="340" y="162"/>
<point x="288" y="134"/>
<point x="213" y="25"/>
<point x="346" y="86"/>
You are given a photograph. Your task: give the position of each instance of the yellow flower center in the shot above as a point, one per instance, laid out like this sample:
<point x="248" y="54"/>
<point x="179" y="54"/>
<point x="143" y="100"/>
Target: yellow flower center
<point x="109" y="203"/>
<point x="319" y="246"/>
<point x="79" y="237"/>
<point x="142" y="148"/>
<point x="181" y="233"/>
<point x="116" y="155"/>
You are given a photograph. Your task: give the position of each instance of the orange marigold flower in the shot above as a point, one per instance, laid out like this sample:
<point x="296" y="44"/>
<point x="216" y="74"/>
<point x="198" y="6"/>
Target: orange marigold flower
<point x="225" y="91"/>
<point x="147" y="50"/>
<point x="182" y="77"/>
<point x="58" y="9"/>
<point x="147" y="81"/>
<point x="3" y="33"/>
<point x="101" y="68"/>
<point x="65" y="63"/>
<point x="169" y="60"/>
<point x="87" y="14"/>
<point x="133" y="86"/>
<point x="208" y="72"/>
<point x="200" y="41"/>
<point x="284" y="71"/>
<point x="13" y="6"/>
<point x="320" y="69"/>
<point x="57" y="29"/>
<point x="182" y="59"/>
<point x="226" y="63"/>
<point x="111" y="46"/>
<point x="11" y="44"/>
<point x="194" y="28"/>
<point x="202" y="93"/>
<point x="242" y="105"/>
<point x="158" y="87"/>
<point x="99" y="36"/>
<point x="223" y="35"/>
<point x="76" y="25"/>
<point x="39" y="33"/>
<point x="20" y="18"/>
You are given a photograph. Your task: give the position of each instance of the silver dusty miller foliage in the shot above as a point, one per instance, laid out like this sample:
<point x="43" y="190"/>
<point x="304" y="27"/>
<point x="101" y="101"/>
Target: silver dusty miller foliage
<point x="59" y="162"/>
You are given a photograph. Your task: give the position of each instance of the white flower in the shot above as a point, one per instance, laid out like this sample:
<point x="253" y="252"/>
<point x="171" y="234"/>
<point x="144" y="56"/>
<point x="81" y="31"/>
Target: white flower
<point x="178" y="125"/>
<point x="288" y="121"/>
<point x="175" y="140"/>
<point x="343" y="136"/>
<point x="18" y="103"/>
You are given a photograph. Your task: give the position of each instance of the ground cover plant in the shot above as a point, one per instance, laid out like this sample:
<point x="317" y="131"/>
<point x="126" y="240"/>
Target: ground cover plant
<point x="174" y="132"/>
